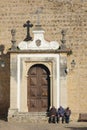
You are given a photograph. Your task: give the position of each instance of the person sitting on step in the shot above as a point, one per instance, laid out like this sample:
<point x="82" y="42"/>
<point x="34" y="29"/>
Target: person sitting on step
<point x="67" y="115"/>
<point x="60" y="114"/>
<point x="52" y="115"/>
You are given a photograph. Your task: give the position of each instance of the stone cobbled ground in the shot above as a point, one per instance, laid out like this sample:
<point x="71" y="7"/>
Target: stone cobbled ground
<point x="42" y="126"/>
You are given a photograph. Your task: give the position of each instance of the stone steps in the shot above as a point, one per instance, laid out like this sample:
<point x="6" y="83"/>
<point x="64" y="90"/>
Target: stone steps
<point x="29" y="117"/>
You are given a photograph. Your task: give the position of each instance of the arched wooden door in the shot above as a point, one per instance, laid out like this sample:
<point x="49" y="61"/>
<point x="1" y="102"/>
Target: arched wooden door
<point x="38" y="99"/>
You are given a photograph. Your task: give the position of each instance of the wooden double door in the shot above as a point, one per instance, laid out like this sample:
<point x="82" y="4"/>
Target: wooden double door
<point x="38" y="98"/>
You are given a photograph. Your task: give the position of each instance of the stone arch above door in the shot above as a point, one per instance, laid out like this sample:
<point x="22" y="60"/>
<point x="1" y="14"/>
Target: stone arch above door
<point x="38" y="92"/>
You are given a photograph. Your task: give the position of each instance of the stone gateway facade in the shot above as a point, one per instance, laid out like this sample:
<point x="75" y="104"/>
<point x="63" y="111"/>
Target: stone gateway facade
<point x="35" y="80"/>
<point x="44" y="60"/>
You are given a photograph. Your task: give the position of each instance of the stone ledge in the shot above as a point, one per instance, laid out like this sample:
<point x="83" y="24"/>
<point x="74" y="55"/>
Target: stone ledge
<point x="33" y="117"/>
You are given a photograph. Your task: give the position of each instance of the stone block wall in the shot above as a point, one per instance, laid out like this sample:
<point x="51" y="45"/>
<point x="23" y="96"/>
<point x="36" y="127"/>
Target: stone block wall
<point x="70" y="15"/>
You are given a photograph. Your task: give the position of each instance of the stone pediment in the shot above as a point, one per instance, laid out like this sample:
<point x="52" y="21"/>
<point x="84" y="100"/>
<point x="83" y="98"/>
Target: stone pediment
<point x="38" y="43"/>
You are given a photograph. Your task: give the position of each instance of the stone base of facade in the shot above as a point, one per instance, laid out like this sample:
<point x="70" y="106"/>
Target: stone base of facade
<point x="30" y="117"/>
<point x="74" y="116"/>
<point x="33" y="117"/>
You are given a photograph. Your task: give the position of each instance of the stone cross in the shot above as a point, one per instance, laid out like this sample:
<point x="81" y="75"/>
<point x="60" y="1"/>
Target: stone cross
<point x="38" y="11"/>
<point x="28" y="25"/>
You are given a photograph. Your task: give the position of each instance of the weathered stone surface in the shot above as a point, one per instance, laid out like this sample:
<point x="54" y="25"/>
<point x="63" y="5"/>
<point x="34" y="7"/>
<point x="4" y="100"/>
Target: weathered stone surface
<point x="56" y="15"/>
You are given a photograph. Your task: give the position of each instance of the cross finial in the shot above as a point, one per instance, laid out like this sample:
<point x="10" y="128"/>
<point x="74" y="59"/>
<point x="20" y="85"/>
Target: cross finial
<point x="28" y="25"/>
<point x="38" y="11"/>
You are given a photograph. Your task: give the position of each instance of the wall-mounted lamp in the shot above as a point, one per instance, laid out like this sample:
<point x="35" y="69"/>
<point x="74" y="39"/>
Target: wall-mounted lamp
<point x="73" y="63"/>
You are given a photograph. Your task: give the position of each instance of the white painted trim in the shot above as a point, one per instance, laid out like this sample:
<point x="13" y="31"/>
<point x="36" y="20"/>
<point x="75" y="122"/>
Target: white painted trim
<point x="58" y="81"/>
<point x="18" y="83"/>
<point x="37" y="56"/>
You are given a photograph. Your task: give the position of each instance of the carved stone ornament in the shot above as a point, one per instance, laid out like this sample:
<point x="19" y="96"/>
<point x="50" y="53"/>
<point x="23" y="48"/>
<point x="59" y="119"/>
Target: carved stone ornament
<point x="38" y="42"/>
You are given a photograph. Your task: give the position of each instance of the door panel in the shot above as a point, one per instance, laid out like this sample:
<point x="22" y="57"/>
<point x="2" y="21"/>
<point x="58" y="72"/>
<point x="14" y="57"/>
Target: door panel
<point x="37" y="89"/>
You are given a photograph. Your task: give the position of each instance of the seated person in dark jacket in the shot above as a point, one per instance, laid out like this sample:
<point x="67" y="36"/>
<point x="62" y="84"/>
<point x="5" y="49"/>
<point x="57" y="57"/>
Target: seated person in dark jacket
<point x="52" y="115"/>
<point x="67" y="115"/>
<point x="60" y="113"/>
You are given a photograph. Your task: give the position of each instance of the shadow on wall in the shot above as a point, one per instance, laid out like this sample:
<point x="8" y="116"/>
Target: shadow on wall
<point x="79" y="128"/>
<point x="4" y="83"/>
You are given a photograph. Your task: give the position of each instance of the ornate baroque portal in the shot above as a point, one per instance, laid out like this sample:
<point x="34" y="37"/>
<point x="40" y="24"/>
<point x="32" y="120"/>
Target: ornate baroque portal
<point x="36" y="82"/>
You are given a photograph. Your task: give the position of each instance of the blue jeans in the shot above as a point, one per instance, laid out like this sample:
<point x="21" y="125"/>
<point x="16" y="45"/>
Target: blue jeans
<point x="67" y="119"/>
<point x="58" y="119"/>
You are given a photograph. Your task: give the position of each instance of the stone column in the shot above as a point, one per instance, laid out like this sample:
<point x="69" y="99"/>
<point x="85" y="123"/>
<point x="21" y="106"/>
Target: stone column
<point x="13" y="85"/>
